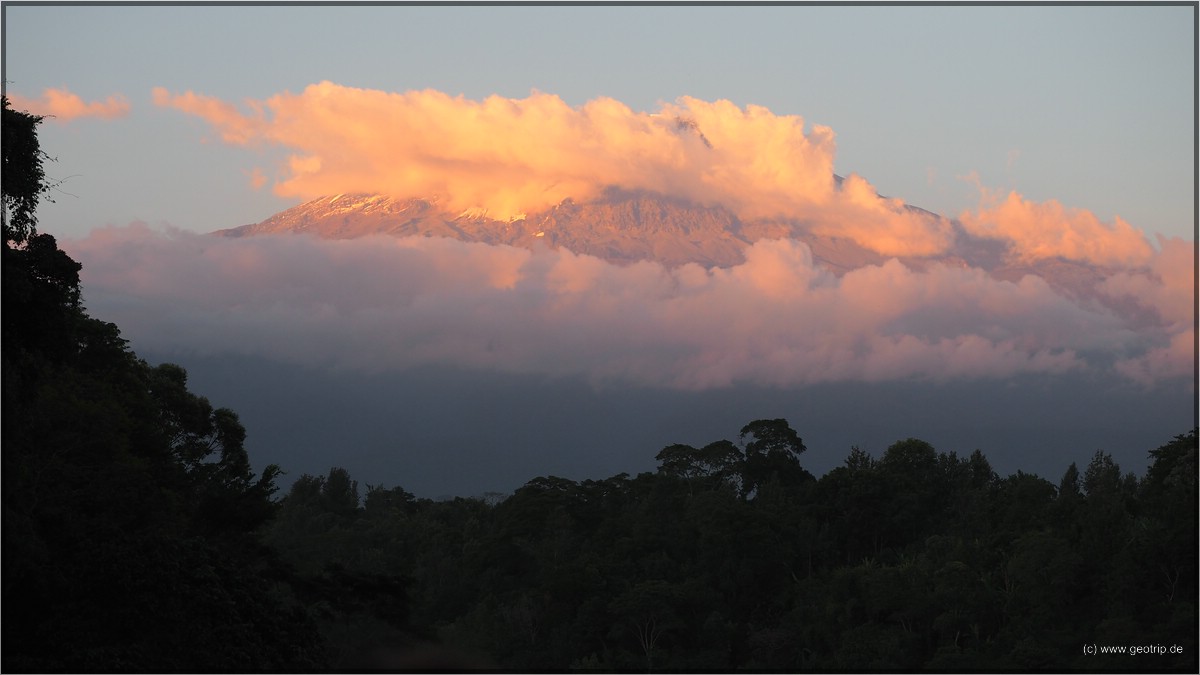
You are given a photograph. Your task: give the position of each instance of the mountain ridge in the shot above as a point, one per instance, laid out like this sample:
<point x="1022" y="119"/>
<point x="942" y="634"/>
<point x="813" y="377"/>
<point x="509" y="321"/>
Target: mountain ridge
<point x="624" y="227"/>
<point x="619" y="227"/>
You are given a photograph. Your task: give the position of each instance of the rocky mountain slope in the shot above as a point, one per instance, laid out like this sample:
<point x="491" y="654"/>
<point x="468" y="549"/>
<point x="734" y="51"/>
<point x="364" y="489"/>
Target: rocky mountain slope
<point x="620" y="227"/>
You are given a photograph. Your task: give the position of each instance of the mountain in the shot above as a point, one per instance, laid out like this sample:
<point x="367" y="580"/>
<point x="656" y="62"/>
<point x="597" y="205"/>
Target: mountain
<point x="620" y="227"/>
<point x="624" y="227"/>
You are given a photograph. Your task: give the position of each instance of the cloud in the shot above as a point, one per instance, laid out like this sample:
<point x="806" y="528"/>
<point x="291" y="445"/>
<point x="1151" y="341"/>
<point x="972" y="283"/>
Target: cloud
<point x="1043" y="230"/>
<point x="61" y="105"/>
<point x="1167" y="288"/>
<point x="882" y="225"/>
<point x="257" y="178"/>
<point x="516" y="156"/>
<point x="778" y="319"/>
<point x="383" y="304"/>
<point x="235" y="128"/>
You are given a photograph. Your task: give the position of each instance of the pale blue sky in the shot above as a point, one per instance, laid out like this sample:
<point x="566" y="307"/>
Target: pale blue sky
<point x="1091" y="105"/>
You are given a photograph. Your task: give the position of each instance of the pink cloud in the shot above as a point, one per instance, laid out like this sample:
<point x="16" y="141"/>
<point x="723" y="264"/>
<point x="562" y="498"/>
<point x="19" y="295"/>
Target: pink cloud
<point x="1176" y="359"/>
<point x="257" y="178"/>
<point x="234" y="127"/>
<point x="382" y="304"/>
<point x="61" y="105"/>
<point x="1048" y="230"/>
<point x="1168" y="289"/>
<point x="882" y="225"/>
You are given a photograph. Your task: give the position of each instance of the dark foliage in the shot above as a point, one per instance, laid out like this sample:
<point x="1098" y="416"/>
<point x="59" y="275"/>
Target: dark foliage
<point x="919" y="560"/>
<point x="129" y="505"/>
<point x="24" y="175"/>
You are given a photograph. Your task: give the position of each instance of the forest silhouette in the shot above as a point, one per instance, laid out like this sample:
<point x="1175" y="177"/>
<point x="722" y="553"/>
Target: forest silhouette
<point x="137" y="538"/>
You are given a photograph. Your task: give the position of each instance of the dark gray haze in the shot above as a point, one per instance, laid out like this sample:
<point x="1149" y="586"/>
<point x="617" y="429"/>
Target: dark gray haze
<point x="442" y="432"/>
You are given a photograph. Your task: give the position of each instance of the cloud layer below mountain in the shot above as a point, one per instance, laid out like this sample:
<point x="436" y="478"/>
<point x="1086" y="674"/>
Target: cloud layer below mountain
<point x="381" y="304"/>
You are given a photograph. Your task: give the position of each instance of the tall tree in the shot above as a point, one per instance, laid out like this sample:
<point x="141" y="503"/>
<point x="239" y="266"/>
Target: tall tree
<point x="24" y="175"/>
<point x="772" y="450"/>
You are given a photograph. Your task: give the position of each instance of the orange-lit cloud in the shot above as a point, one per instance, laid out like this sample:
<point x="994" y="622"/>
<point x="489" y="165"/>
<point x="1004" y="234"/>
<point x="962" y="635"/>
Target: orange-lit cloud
<point x="883" y="225"/>
<point x="778" y="319"/>
<point x="234" y="127"/>
<point x="61" y="105"/>
<point x="257" y="178"/>
<point x="1036" y="231"/>
<point x="515" y="156"/>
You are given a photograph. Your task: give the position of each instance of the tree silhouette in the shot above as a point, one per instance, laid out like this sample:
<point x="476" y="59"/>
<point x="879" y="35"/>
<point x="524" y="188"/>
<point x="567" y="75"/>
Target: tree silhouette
<point x="129" y="503"/>
<point x="24" y="176"/>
